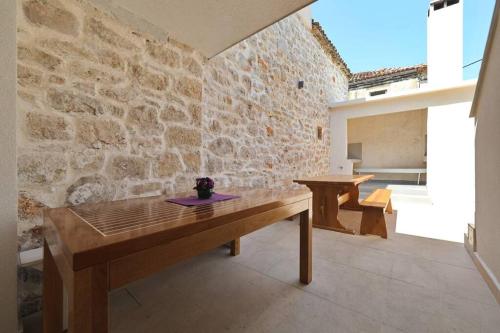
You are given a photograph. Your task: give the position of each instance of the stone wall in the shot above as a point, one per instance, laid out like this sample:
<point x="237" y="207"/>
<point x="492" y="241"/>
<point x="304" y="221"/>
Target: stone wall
<point x="107" y="113"/>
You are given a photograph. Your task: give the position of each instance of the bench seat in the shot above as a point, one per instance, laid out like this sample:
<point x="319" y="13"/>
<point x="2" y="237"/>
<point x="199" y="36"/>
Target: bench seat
<point x="374" y="207"/>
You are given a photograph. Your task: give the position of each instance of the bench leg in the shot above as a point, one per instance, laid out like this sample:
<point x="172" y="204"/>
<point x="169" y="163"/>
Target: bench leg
<point x="388" y="209"/>
<point x="234" y="245"/>
<point x="52" y="294"/>
<point x="306" y="246"/>
<point x="373" y="222"/>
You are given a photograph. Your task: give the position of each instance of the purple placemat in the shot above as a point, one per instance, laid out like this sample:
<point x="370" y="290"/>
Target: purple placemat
<point x="194" y="201"/>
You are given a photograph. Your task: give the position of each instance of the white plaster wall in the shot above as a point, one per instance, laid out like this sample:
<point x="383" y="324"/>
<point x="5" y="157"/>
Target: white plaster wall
<point x="8" y="196"/>
<point x="450" y="131"/>
<point x="450" y="159"/>
<point x="407" y="101"/>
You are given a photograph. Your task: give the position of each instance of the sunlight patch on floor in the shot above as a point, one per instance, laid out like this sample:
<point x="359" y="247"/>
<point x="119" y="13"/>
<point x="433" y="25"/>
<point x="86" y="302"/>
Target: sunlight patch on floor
<point x="419" y="216"/>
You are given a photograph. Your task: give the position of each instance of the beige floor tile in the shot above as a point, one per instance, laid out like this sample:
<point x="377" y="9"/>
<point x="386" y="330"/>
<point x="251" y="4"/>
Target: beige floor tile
<point x="360" y="284"/>
<point x="410" y="308"/>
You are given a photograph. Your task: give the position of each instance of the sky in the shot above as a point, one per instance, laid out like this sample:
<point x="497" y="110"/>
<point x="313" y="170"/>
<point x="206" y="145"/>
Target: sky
<point x="373" y="34"/>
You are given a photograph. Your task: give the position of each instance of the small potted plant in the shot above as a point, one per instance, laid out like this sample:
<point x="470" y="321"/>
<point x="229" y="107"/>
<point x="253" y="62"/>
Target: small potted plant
<point x="205" y="187"/>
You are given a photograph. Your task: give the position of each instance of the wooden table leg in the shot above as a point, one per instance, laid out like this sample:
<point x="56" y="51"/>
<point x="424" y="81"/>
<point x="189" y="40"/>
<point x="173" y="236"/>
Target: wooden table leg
<point x="234" y="245"/>
<point x="52" y="294"/>
<point x="353" y="202"/>
<point x="326" y="209"/>
<point x="306" y="246"/>
<point x="88" y="301"/>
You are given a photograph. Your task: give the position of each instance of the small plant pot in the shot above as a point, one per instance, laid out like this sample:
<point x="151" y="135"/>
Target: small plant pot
<point x="204" y="194"/>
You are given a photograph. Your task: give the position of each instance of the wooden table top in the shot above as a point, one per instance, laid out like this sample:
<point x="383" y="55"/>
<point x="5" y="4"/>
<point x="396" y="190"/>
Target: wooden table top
<point x="91" y="233"/>
<point x="335" y="179"/>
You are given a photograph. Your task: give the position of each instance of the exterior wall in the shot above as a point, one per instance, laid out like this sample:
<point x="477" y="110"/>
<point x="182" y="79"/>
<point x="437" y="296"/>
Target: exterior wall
<point x="391" y="88"/>
<point x="395" y="140"/>
<point x="488" y="155"/>
<point x="450" y="131"/>
<point x="107" y="113"/>
<point x="8" y="194"/>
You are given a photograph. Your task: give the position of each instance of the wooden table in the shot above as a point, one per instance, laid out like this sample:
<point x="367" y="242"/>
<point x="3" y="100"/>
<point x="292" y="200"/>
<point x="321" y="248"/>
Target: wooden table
<point x="331" y="193"/>
<point x="94" y="248"/>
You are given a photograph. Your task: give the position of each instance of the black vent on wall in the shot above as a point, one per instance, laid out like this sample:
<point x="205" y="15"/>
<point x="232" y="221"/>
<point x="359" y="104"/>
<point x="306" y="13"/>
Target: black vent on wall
<point x="378" y="92"/>
<point x="439" y="5"/>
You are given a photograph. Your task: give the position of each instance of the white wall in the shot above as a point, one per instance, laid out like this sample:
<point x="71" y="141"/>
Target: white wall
<point x="407" y="101"/>
<point x="8" y="196"/>
<point x="450" y="131"/>
<point x="450" y="159"/>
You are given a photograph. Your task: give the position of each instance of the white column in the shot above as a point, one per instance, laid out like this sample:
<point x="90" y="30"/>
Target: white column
<point x="8" y="192"/>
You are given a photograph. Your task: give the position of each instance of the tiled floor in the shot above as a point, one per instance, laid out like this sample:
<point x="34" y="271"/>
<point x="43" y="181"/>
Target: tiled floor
<point x="360" y="284"/>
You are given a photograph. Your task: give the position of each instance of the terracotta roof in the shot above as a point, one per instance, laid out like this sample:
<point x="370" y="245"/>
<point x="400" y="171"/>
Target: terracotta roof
<point x="362" y="76"/>
<point x="329" y="48"/>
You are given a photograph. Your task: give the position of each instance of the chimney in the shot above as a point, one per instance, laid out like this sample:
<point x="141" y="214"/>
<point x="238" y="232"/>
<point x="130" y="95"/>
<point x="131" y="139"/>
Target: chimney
<point x="445" y="42"/>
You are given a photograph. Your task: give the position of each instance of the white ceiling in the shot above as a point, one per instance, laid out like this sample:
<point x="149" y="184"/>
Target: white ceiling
<point x="210" y="26"/>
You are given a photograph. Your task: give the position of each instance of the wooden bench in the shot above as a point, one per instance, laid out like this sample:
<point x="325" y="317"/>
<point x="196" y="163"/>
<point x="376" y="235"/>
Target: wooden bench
<point x="374" y="207"/>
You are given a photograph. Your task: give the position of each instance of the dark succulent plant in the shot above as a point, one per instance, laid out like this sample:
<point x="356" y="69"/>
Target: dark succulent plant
<point x="204" y="184"/>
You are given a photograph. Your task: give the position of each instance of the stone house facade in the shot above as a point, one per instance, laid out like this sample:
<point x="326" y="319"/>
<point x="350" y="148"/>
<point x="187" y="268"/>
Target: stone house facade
<point x="107" y="113"/>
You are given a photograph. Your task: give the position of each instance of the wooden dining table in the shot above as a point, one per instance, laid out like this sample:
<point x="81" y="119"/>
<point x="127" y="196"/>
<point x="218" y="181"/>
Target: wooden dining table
<point x="330" y="193"/>
<point x="92" y="249"/>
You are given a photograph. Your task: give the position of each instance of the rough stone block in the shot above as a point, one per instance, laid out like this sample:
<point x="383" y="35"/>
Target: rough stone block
<point x="28" y="77"/>
<point x="50" y="14"/>
<point x="163" y="54"/>
<point x="90" y="189"/>
<point x="91" y="74"/>
<point x="88" y="160"/>
<point x="173" y="114"/>
<point x="45" y="127"/>
<point x="222" y="147"/>
<point x="39" y="57"/>
<point x="192" y="162"/>
<point x="180" y="136"/>
<point x="69" y="102"/>
<point x="96" y="28"/>
<point x="148" y="79"/>
<point x="145" y="119"/>
<point x="123" y="167"/>
<point x="145" y="188"/>
<point x="123" y="95"/>
<point x="167" y="165"/>
<point x="190" y="64"/>
<point x="41" y="168"/>
<point x="189" y="88"/>
<point x="100" y="133"/>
